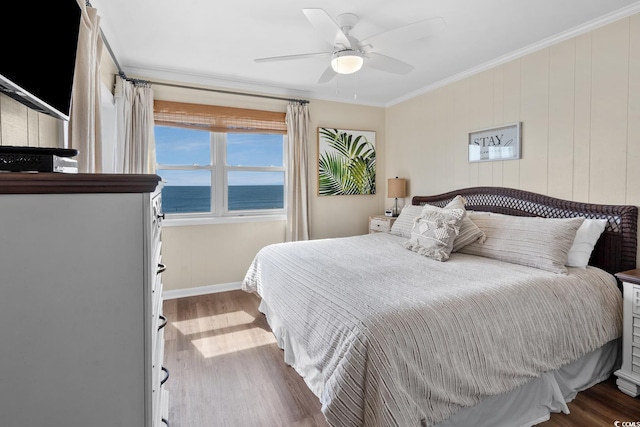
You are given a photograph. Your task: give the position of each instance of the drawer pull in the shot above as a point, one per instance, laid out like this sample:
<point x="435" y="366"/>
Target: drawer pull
<point x="164" y="321"/>
<point x="160" y="216"/>
<point x="161" y="268"/>
<point x="165" y="421"/>
<point x="166" y="371"/>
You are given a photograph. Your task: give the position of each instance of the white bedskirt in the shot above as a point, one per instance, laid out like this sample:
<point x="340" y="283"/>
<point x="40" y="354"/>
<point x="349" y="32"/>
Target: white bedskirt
<point x="527" y="405"/>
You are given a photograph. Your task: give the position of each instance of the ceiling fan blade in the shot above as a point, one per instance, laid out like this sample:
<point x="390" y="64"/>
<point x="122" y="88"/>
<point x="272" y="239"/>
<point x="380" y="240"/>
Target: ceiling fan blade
<point x="327" y="75"/>
<point x="292" y="57"/>
<point x="328" y="28"/>
<point x="386" y="63"/>
<point x="404" y="34"/>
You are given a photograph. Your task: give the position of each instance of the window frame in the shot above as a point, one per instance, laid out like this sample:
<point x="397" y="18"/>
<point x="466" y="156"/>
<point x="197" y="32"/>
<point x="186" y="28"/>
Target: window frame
<point x="219" y="170"/>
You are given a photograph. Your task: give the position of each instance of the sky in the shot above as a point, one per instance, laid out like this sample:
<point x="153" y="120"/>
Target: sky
<point x="177" y="146"/>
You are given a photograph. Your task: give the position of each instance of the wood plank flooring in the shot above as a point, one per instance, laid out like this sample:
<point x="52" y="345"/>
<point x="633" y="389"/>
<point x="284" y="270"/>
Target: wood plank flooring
<point x="226" y="370"/>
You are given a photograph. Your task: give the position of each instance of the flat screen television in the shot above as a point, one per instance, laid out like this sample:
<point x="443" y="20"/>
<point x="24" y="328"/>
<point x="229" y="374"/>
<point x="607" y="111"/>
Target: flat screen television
<point x="37" y="65"/>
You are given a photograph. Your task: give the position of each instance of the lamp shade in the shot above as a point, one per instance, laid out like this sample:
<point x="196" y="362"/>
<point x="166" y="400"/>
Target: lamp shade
<point x="396" y="187"/>
<point x="346" y="61"/>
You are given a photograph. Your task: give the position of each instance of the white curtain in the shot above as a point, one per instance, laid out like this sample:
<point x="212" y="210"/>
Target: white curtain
<point x="297" y="120"/>
<point x="134" y="150"/>
<point x="84" y="119"/>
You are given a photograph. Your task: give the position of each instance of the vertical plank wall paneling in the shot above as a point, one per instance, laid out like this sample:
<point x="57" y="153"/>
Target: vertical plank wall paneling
<point x="452" y="150"/>
<point x="534" y="114"/>
<point x="460" y="125"/>
<point x="498" y="119"/>
<point x="511" y="114"/>
<point x="13" y="122"/>
<point x="481" y="116"/>
<point x="582" y="118"/>
<point x="430" y="150"/>
<point x="633" y="137"/>
<point x="579" y="104"/>
<point x="561" y="115"/>
<point x="441" y="135"/>
<point x="21" y="126"/>
<point x="609" y="104"/>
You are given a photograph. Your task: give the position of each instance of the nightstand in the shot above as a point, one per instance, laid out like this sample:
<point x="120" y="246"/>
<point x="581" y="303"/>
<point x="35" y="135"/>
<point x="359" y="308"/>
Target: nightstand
<point x="381" y="223"/>
<point x="629" y="374"/>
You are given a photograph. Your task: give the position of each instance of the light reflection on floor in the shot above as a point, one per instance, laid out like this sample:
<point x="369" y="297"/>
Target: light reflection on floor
<point x="240" y="336"/>
<point x="212" y="323"/>
<point x="231" y="342"/>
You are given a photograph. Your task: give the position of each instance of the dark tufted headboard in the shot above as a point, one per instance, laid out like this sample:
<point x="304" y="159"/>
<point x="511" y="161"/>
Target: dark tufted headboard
<point x="616" y="249"/>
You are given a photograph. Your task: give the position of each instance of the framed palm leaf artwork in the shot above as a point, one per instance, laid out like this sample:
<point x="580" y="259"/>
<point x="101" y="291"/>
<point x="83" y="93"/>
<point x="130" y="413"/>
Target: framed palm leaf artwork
<point x="346" y="162"/>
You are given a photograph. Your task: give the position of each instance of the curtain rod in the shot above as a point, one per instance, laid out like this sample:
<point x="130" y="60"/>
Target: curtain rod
<point x="230" y="92"/>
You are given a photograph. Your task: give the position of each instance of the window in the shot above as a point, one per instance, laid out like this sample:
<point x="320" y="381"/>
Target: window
<point x="214" y="166"/>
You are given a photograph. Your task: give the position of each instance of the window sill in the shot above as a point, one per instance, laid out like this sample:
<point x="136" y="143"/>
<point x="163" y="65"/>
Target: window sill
<point x="170" y="221"/>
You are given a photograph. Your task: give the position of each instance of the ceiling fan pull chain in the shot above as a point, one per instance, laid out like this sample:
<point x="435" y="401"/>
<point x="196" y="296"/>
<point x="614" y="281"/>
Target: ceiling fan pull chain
<point x="355" y="86"/>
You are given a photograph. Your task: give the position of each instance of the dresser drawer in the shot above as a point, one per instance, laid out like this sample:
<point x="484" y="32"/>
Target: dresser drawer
<point x="635" y="360"/>
<point x="158" y="359"/>
<point x="635" y="299"/>
<point x="635" y="331"/>
<point x="161" y="416"/>
<point x="158" y="321"/>
<point x="158" y="269"/>
<point x="156" y="216"/>
<point x="158" y="388"/>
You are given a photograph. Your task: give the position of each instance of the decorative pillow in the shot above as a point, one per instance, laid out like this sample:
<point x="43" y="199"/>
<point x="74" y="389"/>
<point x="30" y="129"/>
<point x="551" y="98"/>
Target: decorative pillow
<point x="469" y="232"/>
<point x="586" y="238"/>
<point x="542" y="243"/>
<point x="404" y="223"/>
<point x="434" y="231"/>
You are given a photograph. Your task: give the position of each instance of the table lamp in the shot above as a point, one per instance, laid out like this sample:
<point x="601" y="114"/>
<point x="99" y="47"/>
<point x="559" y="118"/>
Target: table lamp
<point x="396" y="187"/>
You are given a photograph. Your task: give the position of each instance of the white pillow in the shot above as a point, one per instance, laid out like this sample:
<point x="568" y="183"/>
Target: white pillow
<point x="586" y="238"/>
<point x="542" y="243"/>
<point x="469" y="232"/>
<point x="404" y="223"/>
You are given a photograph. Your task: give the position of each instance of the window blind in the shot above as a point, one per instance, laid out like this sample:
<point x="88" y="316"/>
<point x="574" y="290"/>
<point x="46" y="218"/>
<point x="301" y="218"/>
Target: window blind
<point x="217" y="118"/>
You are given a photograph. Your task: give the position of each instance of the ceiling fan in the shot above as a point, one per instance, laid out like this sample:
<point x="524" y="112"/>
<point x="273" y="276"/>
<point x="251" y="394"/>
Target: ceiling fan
<point x="349" y="54"/>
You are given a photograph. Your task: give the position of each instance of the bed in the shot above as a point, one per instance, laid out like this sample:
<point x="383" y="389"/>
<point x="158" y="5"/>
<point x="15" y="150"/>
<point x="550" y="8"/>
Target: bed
<point x="386" y="336"/>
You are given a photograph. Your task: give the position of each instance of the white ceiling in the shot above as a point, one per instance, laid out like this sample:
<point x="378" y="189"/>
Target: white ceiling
<point x="211" y="42"/>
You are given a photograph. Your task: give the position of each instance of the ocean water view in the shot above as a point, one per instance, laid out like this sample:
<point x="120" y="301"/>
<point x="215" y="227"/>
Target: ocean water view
<point x="185" y="199"/>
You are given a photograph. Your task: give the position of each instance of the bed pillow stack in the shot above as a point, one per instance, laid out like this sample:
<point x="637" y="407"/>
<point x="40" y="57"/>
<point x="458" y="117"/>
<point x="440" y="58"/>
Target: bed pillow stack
<point x="550" y="244"/>
<point x="468" y="232"/>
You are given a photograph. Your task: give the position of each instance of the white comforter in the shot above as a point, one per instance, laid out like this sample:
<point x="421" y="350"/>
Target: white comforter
<point x="387" y="337"/>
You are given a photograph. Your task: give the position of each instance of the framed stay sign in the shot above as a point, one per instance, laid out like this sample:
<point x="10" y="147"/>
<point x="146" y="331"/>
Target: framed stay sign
<point x="497" y="143"/>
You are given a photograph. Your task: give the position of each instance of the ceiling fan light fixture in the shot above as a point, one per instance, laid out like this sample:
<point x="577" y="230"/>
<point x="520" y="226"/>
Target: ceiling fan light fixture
<point x="346" y="61"/>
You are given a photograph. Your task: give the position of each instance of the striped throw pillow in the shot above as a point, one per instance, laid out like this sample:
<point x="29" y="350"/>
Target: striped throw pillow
<point x="542" y="243"/>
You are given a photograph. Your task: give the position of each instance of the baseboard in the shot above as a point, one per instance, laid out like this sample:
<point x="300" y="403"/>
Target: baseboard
<point x="200" y="290"/>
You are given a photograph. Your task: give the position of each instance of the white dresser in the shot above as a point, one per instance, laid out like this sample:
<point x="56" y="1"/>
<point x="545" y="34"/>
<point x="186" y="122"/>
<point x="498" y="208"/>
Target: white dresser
<point x="629" y="373"/>
<point x="81" y="338"/>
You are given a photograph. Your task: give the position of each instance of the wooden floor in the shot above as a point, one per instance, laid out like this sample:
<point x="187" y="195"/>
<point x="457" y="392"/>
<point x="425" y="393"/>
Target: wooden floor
<point x="226" y="370"/>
